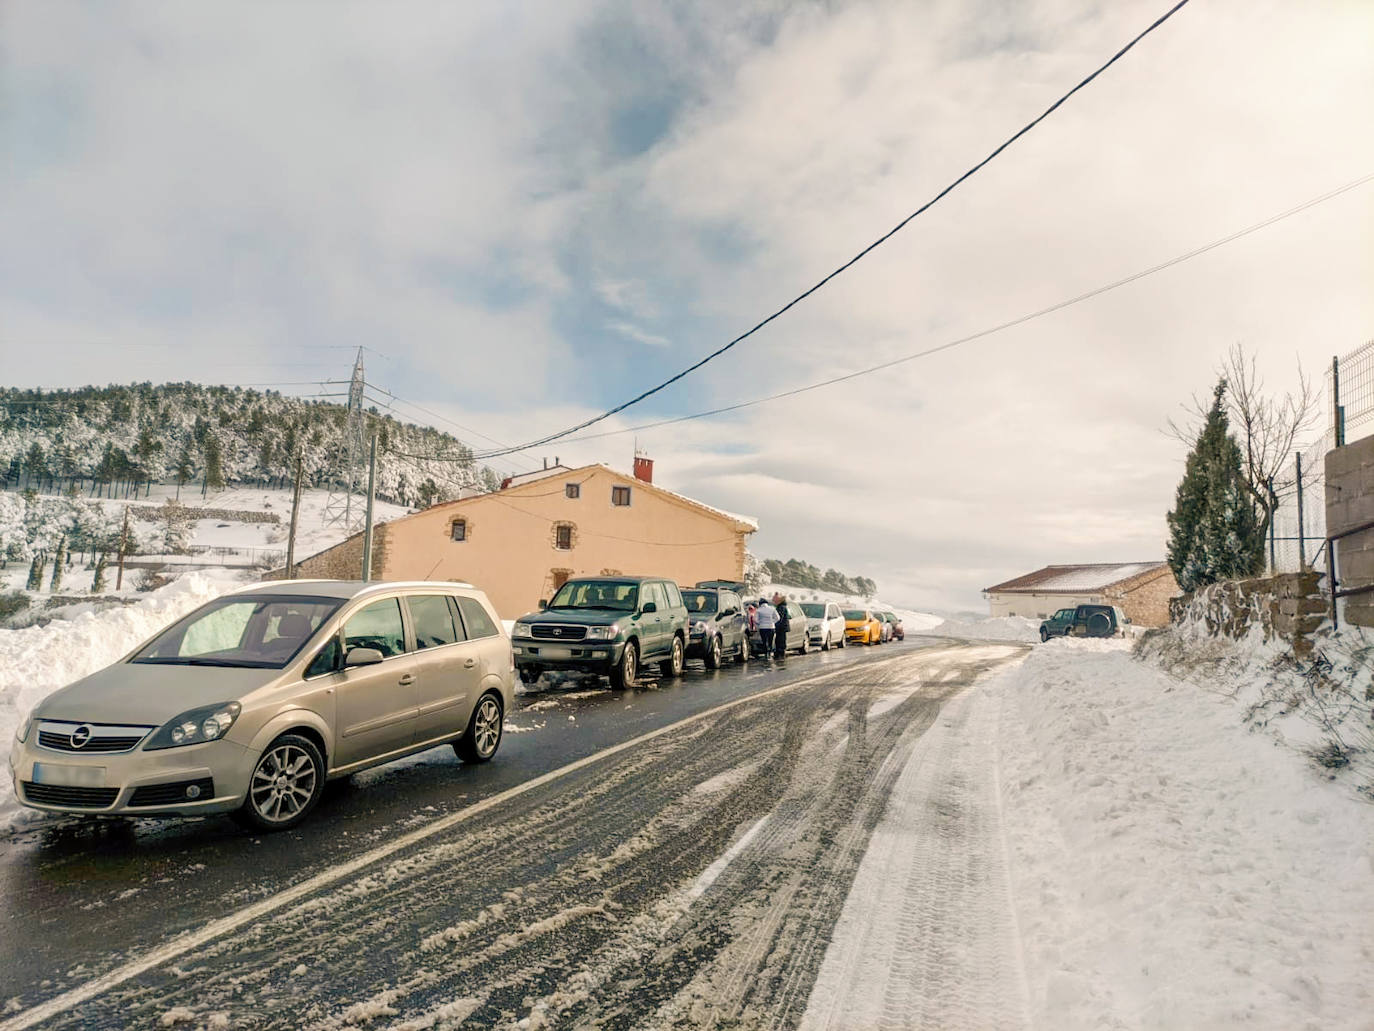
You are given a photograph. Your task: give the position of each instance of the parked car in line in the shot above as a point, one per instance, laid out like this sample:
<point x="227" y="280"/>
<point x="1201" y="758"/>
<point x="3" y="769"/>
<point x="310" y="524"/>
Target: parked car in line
<point x="609" y="625"/>
<point x="898" y="630"/>
<point x="718" y="626"/>
<point x="730" y="585"/>
<point x="862" y="626"/>
<point x="827" y="624"/>
<point x="798" y="632"/>
<point x="250" y="703"/>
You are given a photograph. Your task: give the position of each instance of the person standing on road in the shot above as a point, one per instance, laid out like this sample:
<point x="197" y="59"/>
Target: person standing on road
<point x="767" y="619"/>
<point x="783" y="625"/>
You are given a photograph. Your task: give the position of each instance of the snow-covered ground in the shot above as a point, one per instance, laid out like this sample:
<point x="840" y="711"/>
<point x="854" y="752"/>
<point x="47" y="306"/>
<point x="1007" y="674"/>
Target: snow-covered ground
<point x="1121" y="852"/>
<point x="1003" y="628"/>
<point x="38" y="660"/>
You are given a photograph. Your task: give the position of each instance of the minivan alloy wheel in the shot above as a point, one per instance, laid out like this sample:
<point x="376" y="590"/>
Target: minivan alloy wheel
<point x="285" y="784"/>
<point x="479" y="742"/>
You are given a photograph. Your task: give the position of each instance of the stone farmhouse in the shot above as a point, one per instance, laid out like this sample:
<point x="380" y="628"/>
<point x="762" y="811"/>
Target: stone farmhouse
<point x="520" y="543"/>
<point x="1141" y="589"/>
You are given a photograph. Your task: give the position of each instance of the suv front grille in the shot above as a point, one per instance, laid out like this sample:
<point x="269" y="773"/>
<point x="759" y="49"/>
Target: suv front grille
<point x="174" y="793"/>
<point x="64" y="736"/>
<point x="77" y="798"/>
<point x="557" y="632"/>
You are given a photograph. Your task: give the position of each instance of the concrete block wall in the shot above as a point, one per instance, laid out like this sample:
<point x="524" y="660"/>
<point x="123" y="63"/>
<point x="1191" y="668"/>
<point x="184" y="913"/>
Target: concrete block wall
<point x="1350" y="503"/>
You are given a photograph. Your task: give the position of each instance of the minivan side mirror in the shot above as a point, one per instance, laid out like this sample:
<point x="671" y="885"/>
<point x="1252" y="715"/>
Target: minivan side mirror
<point x="362" y="657"/>
<point x="543" y="604"/>
<point x="649" y="607"/>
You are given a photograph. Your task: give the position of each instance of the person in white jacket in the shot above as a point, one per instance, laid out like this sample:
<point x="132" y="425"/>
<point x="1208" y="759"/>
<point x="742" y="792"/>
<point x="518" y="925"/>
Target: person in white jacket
<point x="767" y="617"/>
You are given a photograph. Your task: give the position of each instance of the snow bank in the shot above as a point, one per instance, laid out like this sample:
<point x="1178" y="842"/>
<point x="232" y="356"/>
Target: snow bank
<point x="1170" y="869"/>
<point x="1003" y="628"/>
<point x="1318" y="706"/>
<point x="38" y="660"/>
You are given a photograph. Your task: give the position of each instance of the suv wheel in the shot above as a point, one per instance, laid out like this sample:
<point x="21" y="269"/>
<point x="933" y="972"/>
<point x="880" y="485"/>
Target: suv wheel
<point x="712" y="657"/>
<point x="624" y="673"/>
<point x="286" y="783"/>
<point x="672" y="666"/>
<point x="744" y="648"/>
<point x="1044" y="635"/>
<point x="480" y="741"/>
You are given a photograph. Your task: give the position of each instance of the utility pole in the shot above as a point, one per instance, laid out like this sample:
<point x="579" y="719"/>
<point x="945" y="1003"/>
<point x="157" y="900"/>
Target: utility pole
<point x="371" y="493"/>
<point x="123" y="546"/>
<point x="295" y="513"/>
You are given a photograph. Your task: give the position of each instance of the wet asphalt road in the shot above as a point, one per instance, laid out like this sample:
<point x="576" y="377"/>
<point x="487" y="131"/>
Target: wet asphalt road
<point x="79" y="897"/>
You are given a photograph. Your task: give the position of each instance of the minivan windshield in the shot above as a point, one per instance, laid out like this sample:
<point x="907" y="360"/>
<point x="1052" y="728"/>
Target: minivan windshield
<point x="815" y="610"/>
<point x="243" y="630"/>
<point x="617" y="596"/>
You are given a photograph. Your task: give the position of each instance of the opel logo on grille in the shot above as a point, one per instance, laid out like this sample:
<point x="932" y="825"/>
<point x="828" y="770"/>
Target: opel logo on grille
<point x="80" y="736"/>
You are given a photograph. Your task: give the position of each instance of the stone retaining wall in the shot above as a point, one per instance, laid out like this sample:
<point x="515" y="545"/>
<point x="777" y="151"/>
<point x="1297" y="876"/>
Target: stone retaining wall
<point x="1290" y="606"/>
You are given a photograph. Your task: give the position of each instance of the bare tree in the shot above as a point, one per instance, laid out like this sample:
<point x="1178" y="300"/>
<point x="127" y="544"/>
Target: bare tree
<point x="1266" y="427"/>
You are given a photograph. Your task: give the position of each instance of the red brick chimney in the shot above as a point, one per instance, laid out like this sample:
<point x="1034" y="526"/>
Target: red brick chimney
<point x="644" y="468"/>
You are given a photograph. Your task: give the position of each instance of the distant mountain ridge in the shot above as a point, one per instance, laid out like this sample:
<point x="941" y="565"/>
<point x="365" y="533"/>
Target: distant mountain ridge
<point x="114" y="440"/>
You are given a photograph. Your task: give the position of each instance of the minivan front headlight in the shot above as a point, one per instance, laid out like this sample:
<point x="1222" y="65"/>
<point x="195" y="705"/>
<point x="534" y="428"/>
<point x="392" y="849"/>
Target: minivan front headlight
<point x="195" y="726"/>
<point x="21" y="732"/>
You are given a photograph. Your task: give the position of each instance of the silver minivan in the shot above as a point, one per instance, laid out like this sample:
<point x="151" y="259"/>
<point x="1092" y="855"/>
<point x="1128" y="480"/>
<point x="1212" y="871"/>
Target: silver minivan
<point x="250" y="703"/>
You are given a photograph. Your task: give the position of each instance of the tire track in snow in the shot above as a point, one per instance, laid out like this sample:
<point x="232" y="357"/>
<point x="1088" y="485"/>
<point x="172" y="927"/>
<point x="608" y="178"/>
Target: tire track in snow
<point x="928" y="938"/>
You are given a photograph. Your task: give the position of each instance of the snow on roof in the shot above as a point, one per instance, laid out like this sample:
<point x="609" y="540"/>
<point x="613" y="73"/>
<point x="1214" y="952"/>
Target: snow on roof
<point x="1077" y="579"/>
<point x="539" y="474"/>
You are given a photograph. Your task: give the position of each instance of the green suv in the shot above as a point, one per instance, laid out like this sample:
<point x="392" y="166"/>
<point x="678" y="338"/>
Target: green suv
<point x="611" y="625"/>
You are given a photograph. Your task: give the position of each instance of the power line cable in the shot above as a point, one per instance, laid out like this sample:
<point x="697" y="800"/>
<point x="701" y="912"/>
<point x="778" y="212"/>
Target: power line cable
<point x="854" y="260"/>
<point x="1021" y="320"/>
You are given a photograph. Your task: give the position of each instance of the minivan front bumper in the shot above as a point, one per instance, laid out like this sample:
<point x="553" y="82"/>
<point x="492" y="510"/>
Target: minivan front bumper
<point x="195" y="780"/>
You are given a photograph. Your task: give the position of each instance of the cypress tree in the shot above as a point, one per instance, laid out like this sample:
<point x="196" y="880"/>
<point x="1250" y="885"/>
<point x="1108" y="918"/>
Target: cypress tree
<point x="1213" y="532"/>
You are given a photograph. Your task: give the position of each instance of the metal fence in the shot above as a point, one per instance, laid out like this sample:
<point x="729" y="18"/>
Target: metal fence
<point x="1298" y="533"/>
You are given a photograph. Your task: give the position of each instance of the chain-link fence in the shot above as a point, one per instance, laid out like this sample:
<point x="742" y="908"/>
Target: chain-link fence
<point x="1299" y="526"/>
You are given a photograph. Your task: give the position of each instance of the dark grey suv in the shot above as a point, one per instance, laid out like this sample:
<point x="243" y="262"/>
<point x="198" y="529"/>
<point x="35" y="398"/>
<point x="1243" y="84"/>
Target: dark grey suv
<point x="609" y="625"/>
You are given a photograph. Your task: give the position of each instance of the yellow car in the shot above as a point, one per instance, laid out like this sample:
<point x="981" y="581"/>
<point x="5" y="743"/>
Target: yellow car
<point x="862" y="626"/>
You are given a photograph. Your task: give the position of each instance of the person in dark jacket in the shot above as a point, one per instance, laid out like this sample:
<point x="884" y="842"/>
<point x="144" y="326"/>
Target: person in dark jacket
<point x="784" y="624"/>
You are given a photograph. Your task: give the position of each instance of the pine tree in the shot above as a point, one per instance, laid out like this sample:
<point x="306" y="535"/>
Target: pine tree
<point x="98" y="581"/>
<point x="214" y="468"/>
<point x="58" y="563"/>
<point x="1213" y="532"/>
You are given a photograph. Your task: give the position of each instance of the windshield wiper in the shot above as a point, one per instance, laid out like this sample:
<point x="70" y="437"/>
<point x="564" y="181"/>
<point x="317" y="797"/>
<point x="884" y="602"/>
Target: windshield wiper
<point x="192" y="660"/>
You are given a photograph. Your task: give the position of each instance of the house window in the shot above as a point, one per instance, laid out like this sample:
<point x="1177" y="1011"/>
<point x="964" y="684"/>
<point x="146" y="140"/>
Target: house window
<point x="562" y="536"/>
<point x="620" y="496"/>
<point x="458" y="530"/>
<point x="572" y="490"/>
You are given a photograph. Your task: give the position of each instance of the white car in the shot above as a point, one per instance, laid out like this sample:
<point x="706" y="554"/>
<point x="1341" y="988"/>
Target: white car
<point x="826" y="624"/>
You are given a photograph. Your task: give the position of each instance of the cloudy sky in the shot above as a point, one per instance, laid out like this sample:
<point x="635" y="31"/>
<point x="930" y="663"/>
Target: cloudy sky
<point x="530" y="212"/>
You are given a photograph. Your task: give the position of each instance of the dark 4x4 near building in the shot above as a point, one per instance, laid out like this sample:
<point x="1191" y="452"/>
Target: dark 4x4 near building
<point x="1085" y="621"/>
<point x="609" y="625"/>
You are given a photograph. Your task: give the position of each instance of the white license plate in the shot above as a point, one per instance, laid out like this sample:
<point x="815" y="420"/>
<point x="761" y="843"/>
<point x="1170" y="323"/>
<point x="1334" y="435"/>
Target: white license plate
<point x="69" y="776"/>
<point x="554" y="653"/>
